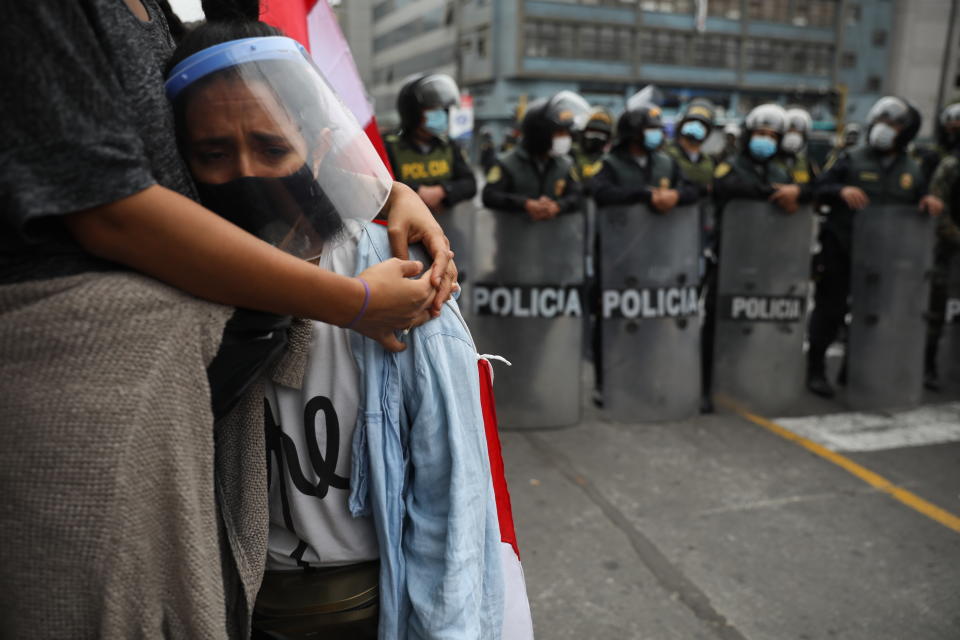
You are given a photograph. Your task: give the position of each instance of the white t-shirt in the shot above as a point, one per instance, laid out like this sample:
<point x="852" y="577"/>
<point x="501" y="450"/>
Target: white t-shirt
<point x="311" y="523"/>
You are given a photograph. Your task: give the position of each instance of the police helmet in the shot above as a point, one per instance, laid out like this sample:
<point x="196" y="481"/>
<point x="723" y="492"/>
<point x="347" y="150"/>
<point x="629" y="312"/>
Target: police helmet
<point x="699" y="109"/>
<point x="767" y="116"/>
<point x="799" y="120"/>
<point x="600" y="120"/>
<point x="895" y="110"/>
<point x="851" y="135"/>
<point x="564" y="111"/>
<point x="949" y="116"/>
<point x="421" y="92"/>
<point x="635" y="119"/>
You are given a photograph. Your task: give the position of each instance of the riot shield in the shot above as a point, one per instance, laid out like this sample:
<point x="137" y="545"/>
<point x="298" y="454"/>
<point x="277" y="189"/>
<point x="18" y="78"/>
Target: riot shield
<point x="762" y="287"/>
<point x="457" y="224"/>
<point x="890" y="265"/>
<point x="527" y="305"/>
<point x="650" y="312"/>
<point x="949" y="352"/>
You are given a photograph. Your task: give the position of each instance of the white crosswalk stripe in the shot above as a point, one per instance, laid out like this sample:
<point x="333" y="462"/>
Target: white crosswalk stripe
<point x="931" y="424"/>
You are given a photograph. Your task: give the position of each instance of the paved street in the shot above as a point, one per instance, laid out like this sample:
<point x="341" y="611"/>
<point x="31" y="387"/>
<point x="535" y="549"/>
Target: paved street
<point x="716" y="527"/>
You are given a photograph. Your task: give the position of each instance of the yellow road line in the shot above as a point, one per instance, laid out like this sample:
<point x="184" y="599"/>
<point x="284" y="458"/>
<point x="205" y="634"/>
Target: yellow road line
<point x="875" y="480"/>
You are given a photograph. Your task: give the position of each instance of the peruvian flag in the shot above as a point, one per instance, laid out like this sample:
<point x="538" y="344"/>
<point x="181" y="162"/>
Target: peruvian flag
<point x="312" y="24"/>
<point x="517" y="621"/>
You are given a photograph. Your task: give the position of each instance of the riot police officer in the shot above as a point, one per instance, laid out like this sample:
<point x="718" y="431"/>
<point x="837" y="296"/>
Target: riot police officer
<point x="731" y="142"/>
<point x="592" y="144"/>
<point x="793" y="149"/>
<point x="422" y="155"/>
<point x="880" y="172"/>
<point x="488" y="151"/>
<point x="695" y="125"/>
<point x="848" y="138"/>
<point x="635" y="171"/>
<point x="946" y="186"/>
<point x="755" y="173"/>
<point x="537" y="176"/>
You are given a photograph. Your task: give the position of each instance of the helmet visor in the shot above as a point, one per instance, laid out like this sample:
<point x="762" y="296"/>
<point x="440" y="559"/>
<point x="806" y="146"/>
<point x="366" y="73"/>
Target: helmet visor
<point x="951" y="114"/>
<point x="799" y="119"/>
<point x="891" y="109"/>
<point x="767" y="116"/>
<point x="437" y="91"/>
<point x="271" y="146"/>
<point x="568" y="110"/>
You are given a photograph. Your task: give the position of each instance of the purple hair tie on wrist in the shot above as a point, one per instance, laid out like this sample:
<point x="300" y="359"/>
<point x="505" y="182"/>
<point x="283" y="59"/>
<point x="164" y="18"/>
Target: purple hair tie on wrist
<point x="363" y="307"/>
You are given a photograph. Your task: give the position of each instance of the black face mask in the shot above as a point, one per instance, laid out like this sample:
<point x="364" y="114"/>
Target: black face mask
<point x="593" y="145"/>
<point x="270" y="207"/>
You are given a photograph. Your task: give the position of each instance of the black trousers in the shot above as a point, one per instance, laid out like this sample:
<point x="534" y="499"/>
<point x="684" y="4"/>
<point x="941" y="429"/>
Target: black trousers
<point x="937" y="308"/>
<point x="831" y="276"/>
<point x="708" y="289"/>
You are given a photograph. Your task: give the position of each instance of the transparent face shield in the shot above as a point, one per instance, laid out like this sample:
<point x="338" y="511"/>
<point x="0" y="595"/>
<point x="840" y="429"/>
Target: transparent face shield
<point x="767" y="116"/>
<point x="437" y="91"/>
<point x="271" y="146"/>
<point x="799" y="120"/>
<point x="650" y="94"/>
<point x="951" y="115"/>
<point x="889" y="109"/>
<point x="568" y="109"/>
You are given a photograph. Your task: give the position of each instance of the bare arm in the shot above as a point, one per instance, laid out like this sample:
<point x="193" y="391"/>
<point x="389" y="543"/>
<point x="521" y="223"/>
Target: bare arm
<point x="165" y="235"/>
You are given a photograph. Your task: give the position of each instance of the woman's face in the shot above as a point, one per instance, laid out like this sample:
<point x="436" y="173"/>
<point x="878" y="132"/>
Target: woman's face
<point x="237" y="129"/>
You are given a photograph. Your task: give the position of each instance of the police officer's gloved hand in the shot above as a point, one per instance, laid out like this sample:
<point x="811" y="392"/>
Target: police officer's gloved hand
<point x="932" y="205"/>
<point x="854" y="197"/>
<point x="786" y="197"/>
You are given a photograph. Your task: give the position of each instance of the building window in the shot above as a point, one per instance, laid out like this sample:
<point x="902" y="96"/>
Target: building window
<point x="815" y="13"/>
<point x="874" y="84"/>
<point x="804" y="58"/>
<point x="760" y="54"/>
<point x="549" y="40"/>
<point x="604" y="42"/>
<point x="664" y="47"/>
<point x="879" y="38"/>
<point x="667" y="6"/>
<point x="854" y="14"/>
<point x="482" y="44"/>
<point x="729" y="9"/>
<point x="769" y="10"/>
<point x="848" y="60"/>
<point x="715" y="51"/>
<point x="427" y="22"/>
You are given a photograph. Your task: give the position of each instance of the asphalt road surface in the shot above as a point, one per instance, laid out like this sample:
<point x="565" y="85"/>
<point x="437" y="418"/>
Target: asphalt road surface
<point x="818" y="525"/>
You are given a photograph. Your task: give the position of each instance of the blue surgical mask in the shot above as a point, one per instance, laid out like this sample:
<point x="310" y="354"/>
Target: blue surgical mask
<point x="763" y="147"/>
<point x="436" y="122"/>
<point x="693" y="129"/>
<point x="652" y="138"/>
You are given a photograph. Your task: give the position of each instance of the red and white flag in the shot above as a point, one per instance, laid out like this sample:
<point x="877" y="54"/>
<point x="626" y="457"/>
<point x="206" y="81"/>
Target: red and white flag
<point x="517" y="621"/>
<point x="312" y="24"/>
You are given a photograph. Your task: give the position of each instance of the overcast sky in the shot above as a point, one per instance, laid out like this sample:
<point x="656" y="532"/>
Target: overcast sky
<point x="187" y="10"/>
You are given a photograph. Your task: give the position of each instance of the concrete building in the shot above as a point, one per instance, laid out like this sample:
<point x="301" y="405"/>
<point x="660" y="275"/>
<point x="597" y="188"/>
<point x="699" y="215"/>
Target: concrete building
<point x="836" y="57"/>
<point x="925" y="56"/>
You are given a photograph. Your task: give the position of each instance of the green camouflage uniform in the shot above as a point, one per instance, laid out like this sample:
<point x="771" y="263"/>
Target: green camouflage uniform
<point x="945" y="184"/>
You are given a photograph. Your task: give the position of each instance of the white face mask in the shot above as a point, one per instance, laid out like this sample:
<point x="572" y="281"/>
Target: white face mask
<point x="792" y="142"/>
<point x="882" y="136"/>
<point x="561" y="146"/>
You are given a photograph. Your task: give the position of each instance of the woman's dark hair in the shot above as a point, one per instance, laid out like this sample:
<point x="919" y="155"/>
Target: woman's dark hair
<point x="229" y="20"/>
<point x="226" y="20"/>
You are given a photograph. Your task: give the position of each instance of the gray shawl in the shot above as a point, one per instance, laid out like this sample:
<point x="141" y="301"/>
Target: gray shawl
<point x="111" y="483"/>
